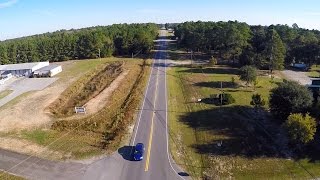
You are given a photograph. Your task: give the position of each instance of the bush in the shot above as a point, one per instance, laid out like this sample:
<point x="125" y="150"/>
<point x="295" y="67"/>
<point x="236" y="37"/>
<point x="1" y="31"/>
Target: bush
<point x="257" y="101"/>
<point x="226" y="99"/>
<point x="213" y="61"/>
<point x="301" y="128"/>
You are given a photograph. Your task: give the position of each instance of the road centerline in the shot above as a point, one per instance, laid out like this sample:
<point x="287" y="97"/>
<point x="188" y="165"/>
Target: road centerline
<point x="151" y="127"/>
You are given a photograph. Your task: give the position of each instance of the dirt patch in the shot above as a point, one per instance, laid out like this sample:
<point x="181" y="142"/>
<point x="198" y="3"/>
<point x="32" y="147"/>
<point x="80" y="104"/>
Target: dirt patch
<point x="101" y="100"/>
<point x="26" y="147"/>
<point x="30" y="111"/>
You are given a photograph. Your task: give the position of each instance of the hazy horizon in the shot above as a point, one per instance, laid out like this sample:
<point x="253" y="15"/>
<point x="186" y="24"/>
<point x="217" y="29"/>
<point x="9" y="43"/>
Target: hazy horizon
<point x="23" y="18"/>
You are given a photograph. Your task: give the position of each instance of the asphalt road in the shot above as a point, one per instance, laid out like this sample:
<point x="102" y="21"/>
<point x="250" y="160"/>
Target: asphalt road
<point x="150" y="129"/>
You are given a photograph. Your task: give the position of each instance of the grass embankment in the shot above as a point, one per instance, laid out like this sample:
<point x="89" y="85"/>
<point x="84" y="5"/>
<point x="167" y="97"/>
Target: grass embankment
<point x="7" y="176"/>
<point x="196" y="129"/>
<point x="105" y="130"/>
<point x="5" y="93"/>
<point x="87" y="87"/>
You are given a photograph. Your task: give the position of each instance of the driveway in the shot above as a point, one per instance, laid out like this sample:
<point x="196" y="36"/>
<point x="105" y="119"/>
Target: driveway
<point x="23" y="85"/>
<point x="298" y="76"/>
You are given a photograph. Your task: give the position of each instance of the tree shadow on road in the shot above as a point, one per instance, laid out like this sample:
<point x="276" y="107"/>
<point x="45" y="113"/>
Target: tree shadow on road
<point x="126" y="152"/>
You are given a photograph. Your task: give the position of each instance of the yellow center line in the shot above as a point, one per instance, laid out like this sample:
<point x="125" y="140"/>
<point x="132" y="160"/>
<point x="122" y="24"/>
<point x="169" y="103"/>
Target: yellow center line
<point x="151" y="128"/>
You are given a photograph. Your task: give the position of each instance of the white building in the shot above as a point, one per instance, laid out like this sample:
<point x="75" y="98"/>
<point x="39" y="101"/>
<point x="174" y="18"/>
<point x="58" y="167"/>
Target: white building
<point x="48" y="71"/>
<point x="23" y="69"/>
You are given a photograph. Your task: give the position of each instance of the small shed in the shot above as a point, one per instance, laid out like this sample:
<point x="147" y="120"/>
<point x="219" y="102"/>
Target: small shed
<point x="48" y="71"/>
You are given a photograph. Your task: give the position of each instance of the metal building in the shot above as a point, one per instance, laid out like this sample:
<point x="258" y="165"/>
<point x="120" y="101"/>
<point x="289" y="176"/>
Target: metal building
<point x="48" y="71"/>
<point x="23" y="69"/>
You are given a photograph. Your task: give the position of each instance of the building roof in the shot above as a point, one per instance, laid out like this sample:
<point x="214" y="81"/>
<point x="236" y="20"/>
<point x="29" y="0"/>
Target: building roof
<point x="11" y="67"/>
<point x="48" y="68"/>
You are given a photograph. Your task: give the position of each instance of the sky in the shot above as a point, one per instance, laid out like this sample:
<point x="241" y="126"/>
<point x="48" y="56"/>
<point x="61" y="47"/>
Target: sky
<point x="27" y="17"/>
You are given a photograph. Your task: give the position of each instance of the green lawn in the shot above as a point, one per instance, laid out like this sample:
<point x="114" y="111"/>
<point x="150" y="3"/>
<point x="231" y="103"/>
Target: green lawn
<point x="314" y="71"/>
<point x="196" y="128"/>
<point x="7" y="176"/>
<point x="5" y="93"/>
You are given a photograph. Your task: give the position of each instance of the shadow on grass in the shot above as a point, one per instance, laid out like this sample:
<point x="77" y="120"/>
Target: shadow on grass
<point x="234" y="131"/>
<point x="231" y="71"/>
<point x="216" y="84"/>
<point x="126" y="152"/>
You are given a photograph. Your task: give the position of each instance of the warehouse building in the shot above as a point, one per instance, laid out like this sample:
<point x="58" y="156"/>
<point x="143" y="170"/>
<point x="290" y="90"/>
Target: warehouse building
<point x="23" y="69"/>
<point x="47" y="71"/>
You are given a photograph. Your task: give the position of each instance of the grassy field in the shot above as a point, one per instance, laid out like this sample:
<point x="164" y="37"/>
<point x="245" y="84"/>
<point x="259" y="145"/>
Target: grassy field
<point x="196" y="129"/>
<point x="6" y="176"/>
<point x="314" y="71"/>
<point x="5" y="93"/>
<point x="103" y="131"/>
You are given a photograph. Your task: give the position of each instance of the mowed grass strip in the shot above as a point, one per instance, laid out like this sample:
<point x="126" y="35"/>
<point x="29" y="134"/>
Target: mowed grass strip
<point x="5" y="93"/>
<point x="102" y="132"/>
<point x="197" y="128"/>
<point x="314" y="71"/>
<point x="7" y="176"/>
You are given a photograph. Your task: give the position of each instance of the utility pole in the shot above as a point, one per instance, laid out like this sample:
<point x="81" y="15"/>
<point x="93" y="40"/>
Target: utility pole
<point x="191" y="58"/>
<point x="271" y="55"/>
<point x="99" y="53"/>
<point x="221" y="94"/>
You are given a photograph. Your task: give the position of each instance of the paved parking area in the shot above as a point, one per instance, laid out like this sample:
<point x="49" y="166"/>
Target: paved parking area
<point x="298" y="76"/>
<point x="23" y="85"/>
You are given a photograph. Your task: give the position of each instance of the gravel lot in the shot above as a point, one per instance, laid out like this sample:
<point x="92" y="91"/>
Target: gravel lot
<point x="298" y="76"/>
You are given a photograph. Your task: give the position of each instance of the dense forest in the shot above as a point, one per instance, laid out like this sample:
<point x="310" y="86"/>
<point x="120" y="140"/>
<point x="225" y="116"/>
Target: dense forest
<point x="266" y="47"/>
<point x="103" y="41"/>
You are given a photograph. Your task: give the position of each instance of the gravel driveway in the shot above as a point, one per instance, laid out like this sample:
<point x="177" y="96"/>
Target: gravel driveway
<point x="298" y="76"/>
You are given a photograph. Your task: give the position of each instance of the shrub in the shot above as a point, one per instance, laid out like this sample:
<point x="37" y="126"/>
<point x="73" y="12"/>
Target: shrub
<point x="301" y="128"/>
<point x="226" y="99"/>
<point x="257" y="101"/>
<point x="213" y="61"/>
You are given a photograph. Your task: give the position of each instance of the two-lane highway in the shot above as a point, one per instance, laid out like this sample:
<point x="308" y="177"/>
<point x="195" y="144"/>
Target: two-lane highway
<point x="151" y="127"/>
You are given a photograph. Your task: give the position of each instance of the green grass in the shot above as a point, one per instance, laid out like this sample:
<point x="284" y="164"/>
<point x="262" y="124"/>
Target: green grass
<point x="314" y="71"/>
<point x="5" y="93"/>
<point x="16" y="100"/>
<point x="69" y="144"/>
<point x="196" y="128"/>
<point x="7" y="176"/>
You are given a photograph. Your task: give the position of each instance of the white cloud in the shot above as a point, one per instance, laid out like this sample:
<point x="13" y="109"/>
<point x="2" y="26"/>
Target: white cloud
<point x="8" y="3"/>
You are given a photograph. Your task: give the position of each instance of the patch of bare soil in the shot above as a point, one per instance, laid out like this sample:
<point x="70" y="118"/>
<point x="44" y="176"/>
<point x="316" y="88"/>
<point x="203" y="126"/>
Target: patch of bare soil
<point x="101" y="100"/>
<point x="27" y="147"/>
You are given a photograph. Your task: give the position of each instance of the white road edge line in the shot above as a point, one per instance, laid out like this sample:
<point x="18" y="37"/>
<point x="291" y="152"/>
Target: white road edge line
<point x="166" y="97"/>
<point x="144" y="100"/>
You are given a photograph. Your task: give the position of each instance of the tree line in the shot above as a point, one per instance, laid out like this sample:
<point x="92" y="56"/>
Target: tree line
<point x="266" y="47"/>
<point x="93" y="42"/>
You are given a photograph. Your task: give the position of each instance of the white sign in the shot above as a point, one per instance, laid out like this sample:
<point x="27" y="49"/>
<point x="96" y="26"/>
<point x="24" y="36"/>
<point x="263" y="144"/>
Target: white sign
<point x="80" y="109"/>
